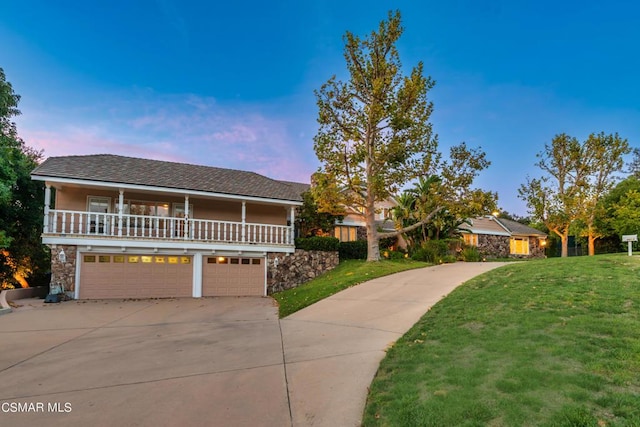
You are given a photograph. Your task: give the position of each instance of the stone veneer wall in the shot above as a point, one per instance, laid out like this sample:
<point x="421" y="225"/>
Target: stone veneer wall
<point x="63" y="273"/>
<point x="498" y="246"/>
<point x="295" y="269"/>
<point x="535" y="250"/>
<point x="494" y="246"/>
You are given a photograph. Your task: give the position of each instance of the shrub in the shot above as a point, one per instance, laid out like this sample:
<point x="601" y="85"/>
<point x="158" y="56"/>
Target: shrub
<point x="353" y="250"/>
<point x="471" y="254"/>
<point x="318" y="243"/>
<point x="448" y="259"/>
<point x="387" y="242"/>
<point x="394" y="255"/>
<point x="432" y="251"/>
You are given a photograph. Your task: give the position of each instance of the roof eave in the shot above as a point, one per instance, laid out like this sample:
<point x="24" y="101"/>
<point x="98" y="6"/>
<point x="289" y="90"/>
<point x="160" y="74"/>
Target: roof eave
<point x="180" y="191"/>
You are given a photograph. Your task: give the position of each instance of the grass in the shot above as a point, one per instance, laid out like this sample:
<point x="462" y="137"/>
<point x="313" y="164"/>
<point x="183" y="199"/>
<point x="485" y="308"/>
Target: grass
<point x="346" y="274"/>
<point x="551" y="342"/>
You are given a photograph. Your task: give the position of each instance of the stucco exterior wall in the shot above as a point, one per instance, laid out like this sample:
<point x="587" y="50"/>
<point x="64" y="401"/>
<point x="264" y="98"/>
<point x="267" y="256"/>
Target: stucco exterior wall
<point x="76" y="199"/>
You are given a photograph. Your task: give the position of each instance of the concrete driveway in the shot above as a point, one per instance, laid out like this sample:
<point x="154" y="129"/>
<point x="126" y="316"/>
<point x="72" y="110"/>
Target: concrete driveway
<point x="210" y="361"/>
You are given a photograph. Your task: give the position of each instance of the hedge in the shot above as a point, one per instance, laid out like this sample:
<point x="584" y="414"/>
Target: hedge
<point x="317" y="243"/>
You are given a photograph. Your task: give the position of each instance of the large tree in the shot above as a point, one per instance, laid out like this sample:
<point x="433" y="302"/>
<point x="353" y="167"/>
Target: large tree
<point x="556" y="196"/>
<point x="375" y="135"/>
<point x="603" y="156"/>
<point x="21" y="199"/>
<point x="576" y="176"/>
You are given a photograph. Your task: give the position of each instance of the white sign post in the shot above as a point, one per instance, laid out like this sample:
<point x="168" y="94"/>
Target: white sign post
<point x="630" y="238"/>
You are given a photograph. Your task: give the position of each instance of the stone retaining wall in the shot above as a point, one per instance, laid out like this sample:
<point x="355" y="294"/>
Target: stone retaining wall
<point x="292" y="270"/>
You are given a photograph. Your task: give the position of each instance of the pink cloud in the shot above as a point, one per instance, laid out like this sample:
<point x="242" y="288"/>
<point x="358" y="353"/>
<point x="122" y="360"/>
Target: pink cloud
<point x="187" y="129"/>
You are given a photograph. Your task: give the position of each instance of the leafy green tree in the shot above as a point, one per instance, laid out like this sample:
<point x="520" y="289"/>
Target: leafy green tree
<point x="21" y="199"/>
<point x="310" y="221"/>
<point x="576" y="176"/>
<point x="619" y="207"/>
<point x="603" y="156"/>
<point x="375" y="135"/>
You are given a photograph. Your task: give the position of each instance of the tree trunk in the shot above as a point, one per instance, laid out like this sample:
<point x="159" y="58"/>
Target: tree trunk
<point x="592" y="244"/>
<point x="564" y="238"/>
<point x="373" y="245"/>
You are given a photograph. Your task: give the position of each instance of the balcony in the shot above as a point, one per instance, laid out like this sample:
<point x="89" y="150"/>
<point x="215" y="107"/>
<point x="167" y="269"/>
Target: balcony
<point x="67" y="223"/>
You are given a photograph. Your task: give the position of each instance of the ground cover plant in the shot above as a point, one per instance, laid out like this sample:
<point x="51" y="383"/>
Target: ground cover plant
<point x="346" y="274"/>
<point x="552" y="342"/>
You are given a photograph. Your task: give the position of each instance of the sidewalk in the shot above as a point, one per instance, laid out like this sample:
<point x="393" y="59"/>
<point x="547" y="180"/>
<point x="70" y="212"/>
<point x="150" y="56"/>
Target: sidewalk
<point x="333" y="348"/>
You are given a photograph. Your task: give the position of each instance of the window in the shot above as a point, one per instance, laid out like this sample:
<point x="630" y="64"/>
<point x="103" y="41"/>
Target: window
<point x="118" y="258"/>
<point x="133" y="259"/>
<point x="104" y="258"/>
<point x="159" y="260"/>
<point x="137" y="207"/>
<point x="223" y="260"/>
<point x="178" y="210"/>
<point x="89" y="258"/>
<point x="235" y="260"/>
<point x="98" y="220"/>
<point x="383" y="213"/>
<point x="345" y="233"/>
<point x="246" y="261"/>
<point x="470" y="239"/>
<point x="185" y="260"/>
<point x="519" y="245"/>
<point x="255" y="261"/>
<point x="173" y="260"/>
<point x="146" y="259"/>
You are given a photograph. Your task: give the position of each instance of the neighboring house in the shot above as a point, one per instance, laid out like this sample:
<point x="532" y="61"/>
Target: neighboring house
<point x="504" y="238"/>
<point x="122" y="227"/>
<point x="354" y="226"/>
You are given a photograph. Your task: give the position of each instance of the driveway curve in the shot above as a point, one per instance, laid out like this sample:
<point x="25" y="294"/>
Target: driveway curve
<point x="210" y="361"/>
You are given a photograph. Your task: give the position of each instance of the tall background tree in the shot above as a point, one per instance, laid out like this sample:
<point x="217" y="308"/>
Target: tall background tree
<point x="603" y="155"/>
<point x="375" y="135"/>
<point x="576" y="176"/>
<point x="22" y="256"/>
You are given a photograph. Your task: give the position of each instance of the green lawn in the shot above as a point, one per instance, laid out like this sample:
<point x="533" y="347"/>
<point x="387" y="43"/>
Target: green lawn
<point x="551" y="342"/>
<point x="346" y="274"/>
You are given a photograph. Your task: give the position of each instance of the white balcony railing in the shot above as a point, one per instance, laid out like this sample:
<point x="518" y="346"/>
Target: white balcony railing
<point x="75" y="223"/>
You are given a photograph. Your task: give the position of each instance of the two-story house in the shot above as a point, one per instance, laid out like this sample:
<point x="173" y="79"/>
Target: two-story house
<point x="121" y="227"/>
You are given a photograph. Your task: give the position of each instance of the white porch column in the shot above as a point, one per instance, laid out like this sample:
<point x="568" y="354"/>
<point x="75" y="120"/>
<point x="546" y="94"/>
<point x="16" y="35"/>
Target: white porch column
<point x="120" y="212"/>
<point x="293" y="225"/>
<point x="197" y="275"/>
<point x="244" y="220"/>
<point x="47" y="204"/>
<point x="186" y="217"/>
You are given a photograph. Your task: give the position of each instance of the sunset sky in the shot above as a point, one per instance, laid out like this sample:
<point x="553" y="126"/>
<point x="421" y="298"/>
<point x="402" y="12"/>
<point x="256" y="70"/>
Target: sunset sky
<point x="230" y="84"/>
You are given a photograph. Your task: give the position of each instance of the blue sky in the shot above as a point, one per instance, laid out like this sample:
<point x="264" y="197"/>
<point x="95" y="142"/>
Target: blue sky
<point x="231" y="85"/>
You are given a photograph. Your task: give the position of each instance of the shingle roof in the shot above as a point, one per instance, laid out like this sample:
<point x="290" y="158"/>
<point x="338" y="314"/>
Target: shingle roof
<point x="520" y="229"/>
<point x="110" y="168"/>
<point x="484" y="225"/>
<point x="298" y="187"/>
<point x="500" y="227"/>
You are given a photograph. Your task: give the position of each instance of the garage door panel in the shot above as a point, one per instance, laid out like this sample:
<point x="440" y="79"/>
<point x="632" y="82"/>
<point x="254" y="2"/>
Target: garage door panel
<point x="156" y="277"/>
<point x="224" y="276"/>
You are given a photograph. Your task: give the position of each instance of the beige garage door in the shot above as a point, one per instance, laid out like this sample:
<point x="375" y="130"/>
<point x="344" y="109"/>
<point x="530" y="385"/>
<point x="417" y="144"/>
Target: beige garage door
<point x="135" y="276"/>
<point x="222" y="276"/>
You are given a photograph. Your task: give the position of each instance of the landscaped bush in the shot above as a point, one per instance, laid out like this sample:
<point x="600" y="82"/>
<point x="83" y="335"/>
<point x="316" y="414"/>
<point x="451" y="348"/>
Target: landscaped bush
<point x="394" y="255"/>
<point x="432" y="251"/>
<point x="318" y="243"/>
<point x="353" y="250"/>
<point x="471" y="254"/>
<point x="387" y="243"/>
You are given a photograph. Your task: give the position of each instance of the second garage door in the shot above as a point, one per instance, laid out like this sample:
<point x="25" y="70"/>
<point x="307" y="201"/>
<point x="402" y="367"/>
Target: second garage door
<point x="223" y="276"/>
<point x="135" y="276"/>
